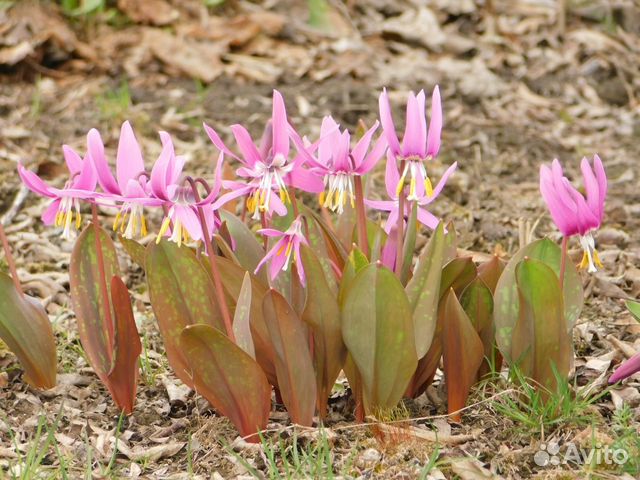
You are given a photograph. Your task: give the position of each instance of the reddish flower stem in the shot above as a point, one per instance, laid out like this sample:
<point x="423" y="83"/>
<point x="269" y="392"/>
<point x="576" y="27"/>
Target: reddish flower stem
<point x="10" y="261"/>
<point x="361" y="216"/>
<point x="215" y="273"/>
<point x="400" y="227"/>
<point x="563" y="261"/>
<point x="102" y="274"/>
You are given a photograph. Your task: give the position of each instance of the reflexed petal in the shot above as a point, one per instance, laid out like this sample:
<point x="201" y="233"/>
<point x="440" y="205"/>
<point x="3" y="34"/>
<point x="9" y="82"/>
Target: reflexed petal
<point x="299" y="265"/>
<point x="49" y="215"/>
<point x="189" y="220"/>
<point x="387" y="123"/>
<point x="601" y="177"/>
<point x="360" y="150"/>
<point x="238" y="190"/>
<point x="374" y="156"/>
<point x="441" y="184"/>
<point x="270" y="232"/>
<point x="384" y="205"/>
<point x="428" y="219"/>
<point x="276" y="205"/>
<point x="159" y="173"/>
<point x="95" y="149"/>
<point x="392" y="177"/>
<point x="279" y="259"/>
<point x="72" y="159"/>
<point x="245" y="144"/>
<point x="87" y="179"/>
<point x="215" y="139"/>
<point x="413" y="143"/>
<point x="34" y="183"/>
<point x="129" y="163"/>
<point x="305" y="180"/>
<point x="329" y="133"/>
<point x="435" y="124"/>
<point x="280" y="125"/>
<point x="591" y="187"/>
<point x="562" y="216"/>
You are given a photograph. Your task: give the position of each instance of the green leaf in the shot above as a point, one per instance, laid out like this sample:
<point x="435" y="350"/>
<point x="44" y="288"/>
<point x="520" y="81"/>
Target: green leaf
<point x="490" y="272"/>
<point x="506" y="298"/>
<point x="232" y="278"/>
<point x="409" y="245"/>
<point x="634" y="309"/>
<point x="94" y="328"/>
<point x="336" y="250"/>
<point x="242" y="318"/>
<point x="123" y="376"/>
<point x="457" y="274"/>
<point x="294" y="366"/>
<point x="228" y="378"/>
<point x="135" y="250"/>
<point x="462" y="353"/>
<point x="355" y="262"/>
<point x="423" y="289"/>
<point x="26" y="329"/>
<point x="541" y="341"/>
<point x="477" y="302"/>
<point x="322" y="314"/>
<point x="182" y="294"/>
<point x="377" y="328"/>
<point x="248" y="250"/>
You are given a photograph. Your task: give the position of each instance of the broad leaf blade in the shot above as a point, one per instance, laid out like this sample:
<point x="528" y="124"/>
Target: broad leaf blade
<point x="506" y="298"/>
<point x="542" y="341"/>
<point x="242" y="318"/>
<point x="423" y="291"/>
<point x="135" y="250"/>
<point x="409" y="245"/>
<point x="322" y="314"/>
<point x="294" y="366"/>
<point x="377" y="328"/>
<point x="26" y="329"/>
<point x="477" y="302"/>
<point x="182" y="294"/>
<point x="89" y="304"/>
<point x="247" y="249"/>
<point x="228" y="378"/>
<point x="462" y="352"/>
<point x="490" y="272"/>
<point x="123" y="376"/>
<point x="634" y="309"/>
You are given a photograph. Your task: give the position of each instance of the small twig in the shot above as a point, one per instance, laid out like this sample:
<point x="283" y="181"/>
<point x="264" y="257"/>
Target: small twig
<point x="15" y="207"/>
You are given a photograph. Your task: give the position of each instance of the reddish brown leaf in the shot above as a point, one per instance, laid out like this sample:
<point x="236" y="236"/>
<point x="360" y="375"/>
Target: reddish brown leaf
<point x="123" y="376"/>
<point x="294" y="366"/>
<point x="462" y="352"/>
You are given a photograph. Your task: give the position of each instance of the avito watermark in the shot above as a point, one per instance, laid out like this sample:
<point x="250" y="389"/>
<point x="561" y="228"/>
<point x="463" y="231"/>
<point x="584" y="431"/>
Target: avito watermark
<point x="551" y="454"/>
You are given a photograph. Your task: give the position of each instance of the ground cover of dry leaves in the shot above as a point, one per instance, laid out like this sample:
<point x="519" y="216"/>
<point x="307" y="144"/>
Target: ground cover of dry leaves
<point x="523" y="81"/>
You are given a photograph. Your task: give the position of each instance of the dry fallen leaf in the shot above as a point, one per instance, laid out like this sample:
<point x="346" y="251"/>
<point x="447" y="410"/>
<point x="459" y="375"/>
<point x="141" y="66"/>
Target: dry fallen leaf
<point x="155" y="12"/>
<point x="150" y="454"/>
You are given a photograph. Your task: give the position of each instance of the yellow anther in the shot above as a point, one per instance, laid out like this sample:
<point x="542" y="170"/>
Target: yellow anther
<point x="321" y="198"/>
<point x="353" y="201"/>
<point x="584" y="263"/>
<point x="289" y="247"/>
<point x="283" y="195"/>
<point x="78" y="220"/>
<point x="116" y="221"/>
<point x="596" y="259"/>
<point x="281" y="249"/>
<point x="400" y="185"/>
<point x="143" y="222"/>
<point x="163" y="229"/>
<point x="59" y="219"/>
<point x="428" y="188"/>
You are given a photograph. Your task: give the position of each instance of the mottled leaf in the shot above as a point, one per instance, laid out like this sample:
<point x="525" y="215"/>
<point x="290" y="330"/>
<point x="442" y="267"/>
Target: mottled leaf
<point x="377" y="328"/>
<point x="423" y="291"/>
<point x="228" y="378"/>
<point x="322" y="314"/>
<point x="247" y="249"/>
<point x="409" y="246"/>
<point x="26" y="329"/>
<point x="506" y="298"/>
<point x="294" y="365"/>
<point x="242" y="318"/>
<point x="634" y="309"/>
<point x="462" y="353"/>
<point x="134" y="249"/>
<point x="123" y="376"/>
<point x="182" y="294"/>
<point x="542" y="341"/>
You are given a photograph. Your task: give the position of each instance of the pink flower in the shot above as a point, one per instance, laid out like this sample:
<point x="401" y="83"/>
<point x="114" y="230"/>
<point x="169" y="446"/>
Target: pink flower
<point x="418" y="144"/>
<point x="627" y="369"/>
<point x="66" y="201"/>
<point x="181" y="222"/>
<point x="338" y="163"/>
<point x="392" y="206"/>
<point x="571" y="211"/>
<point x="130" y="185"/>
<point x="267" y="168"/>
<point x="280" y="254"/>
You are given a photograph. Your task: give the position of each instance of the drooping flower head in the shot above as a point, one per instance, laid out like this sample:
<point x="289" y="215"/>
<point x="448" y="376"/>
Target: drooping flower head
<point x="572" y="213"/>
<point x="392" y="206"/>
<point x="181" y="222"/>
<point x="419" y="145"/>
<point x="130" y="187"/>
<point x="65" y="203"/>
<point x="337" y="163"/>
<point x="267" y="168"/>
<point x="285" y="247"/>
<point x="627" y="369"/>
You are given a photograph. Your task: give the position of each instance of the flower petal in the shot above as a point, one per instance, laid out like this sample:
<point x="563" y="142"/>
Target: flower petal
<point x="73" y="160"/>
<point x="387" y="123"/>
<point x="413" y="143"/>
<point x="280" y="125"/>
<point x="245" y="144"/>
<point x="49" y="215"/>
<point x="215" y="139"/>
<point x="34" y="183"/>
<point x="435" y="124"/>
<point x="95" y="149"/>
<point x="626" y="369"/>
<point x="392" y="177"/>
<point x="129" y="162"/>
